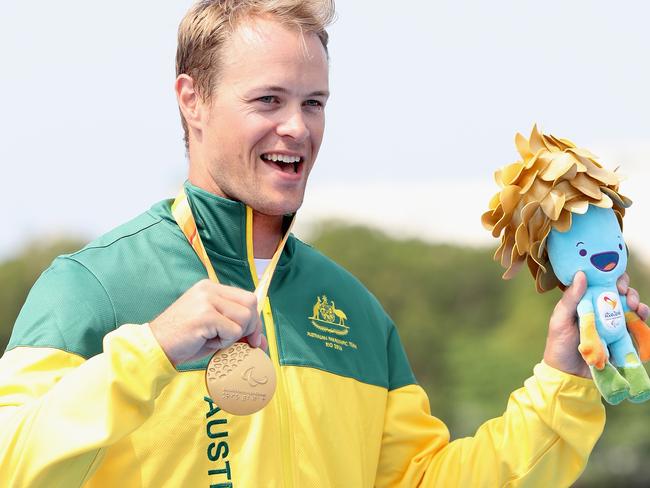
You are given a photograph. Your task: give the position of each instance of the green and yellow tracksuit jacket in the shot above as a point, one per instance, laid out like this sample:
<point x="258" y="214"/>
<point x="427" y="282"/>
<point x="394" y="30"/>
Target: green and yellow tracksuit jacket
<point x="88" y="397"/>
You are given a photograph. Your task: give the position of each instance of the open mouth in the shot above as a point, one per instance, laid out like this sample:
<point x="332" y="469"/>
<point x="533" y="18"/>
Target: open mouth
<point x="283" y="162"/>
<point x="605" y="261"/>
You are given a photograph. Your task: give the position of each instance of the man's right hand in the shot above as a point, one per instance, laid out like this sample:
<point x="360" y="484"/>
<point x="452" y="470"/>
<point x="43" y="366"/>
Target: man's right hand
<point x="206" y="318"/>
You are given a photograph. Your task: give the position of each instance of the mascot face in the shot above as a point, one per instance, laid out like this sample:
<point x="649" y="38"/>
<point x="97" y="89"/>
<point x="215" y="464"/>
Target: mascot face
<point x="594" y="244"/>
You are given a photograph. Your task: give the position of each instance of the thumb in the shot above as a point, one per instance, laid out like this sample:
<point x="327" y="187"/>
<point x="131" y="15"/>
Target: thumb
<point x="574" y="293"/>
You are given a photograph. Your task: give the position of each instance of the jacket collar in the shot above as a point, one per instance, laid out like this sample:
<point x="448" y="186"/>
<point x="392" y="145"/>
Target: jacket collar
<point x="225" y="226"/>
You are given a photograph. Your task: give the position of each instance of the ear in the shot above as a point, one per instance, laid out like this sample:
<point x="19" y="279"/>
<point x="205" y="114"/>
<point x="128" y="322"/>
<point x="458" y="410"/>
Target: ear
<point x="189" y="101"/>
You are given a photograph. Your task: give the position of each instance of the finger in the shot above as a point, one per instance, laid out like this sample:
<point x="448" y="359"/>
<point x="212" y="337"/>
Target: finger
<point x="243" y="297"/>
<point x="623" y="283"/>
<point x="643" y="311"/>
<point x="253" y="325"/>
<point x="211" y="290"/>
<point x="209" y="348"/>
<point x="252" y="334"/>
<point x="255" y="338"/>
<point x="236" y="312"/>
<point x="223" y="332"/>
<point x="572" y="295"/>
<point x="633" y="299"/>
<point x="214" y="345"/>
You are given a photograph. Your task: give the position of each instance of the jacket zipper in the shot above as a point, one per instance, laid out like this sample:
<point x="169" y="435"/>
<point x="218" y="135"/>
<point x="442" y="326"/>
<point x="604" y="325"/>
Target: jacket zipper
<point x="281" y="389"/>
<point x="280" y="397"/>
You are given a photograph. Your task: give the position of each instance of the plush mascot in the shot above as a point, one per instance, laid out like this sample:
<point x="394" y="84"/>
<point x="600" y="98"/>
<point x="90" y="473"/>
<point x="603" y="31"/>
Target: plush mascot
<point x="560" y="212"/>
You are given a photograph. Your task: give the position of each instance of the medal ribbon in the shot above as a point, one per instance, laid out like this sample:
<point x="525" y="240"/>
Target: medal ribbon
<point x="183" y="215"/>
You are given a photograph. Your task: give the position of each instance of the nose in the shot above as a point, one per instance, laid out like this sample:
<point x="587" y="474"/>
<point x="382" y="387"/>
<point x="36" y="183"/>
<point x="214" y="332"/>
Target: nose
<point x="293" y="125"/>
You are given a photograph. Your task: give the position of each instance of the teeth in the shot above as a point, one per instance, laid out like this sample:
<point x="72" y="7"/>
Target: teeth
<point x="281" y="158"/>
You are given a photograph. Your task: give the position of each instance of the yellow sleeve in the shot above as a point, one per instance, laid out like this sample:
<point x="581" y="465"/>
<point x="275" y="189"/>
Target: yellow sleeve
<point x="544" y="438"/>
<point x="58" y="411"/>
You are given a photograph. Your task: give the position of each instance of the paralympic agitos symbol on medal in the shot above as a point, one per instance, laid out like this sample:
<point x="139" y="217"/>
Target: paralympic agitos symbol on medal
<point x="328" y="318"/>
<point x="252" y="380"/>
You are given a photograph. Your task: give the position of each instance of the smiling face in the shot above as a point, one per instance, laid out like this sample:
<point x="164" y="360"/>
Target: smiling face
<point x="257" y="138"/>
<point x="594" y="244"/>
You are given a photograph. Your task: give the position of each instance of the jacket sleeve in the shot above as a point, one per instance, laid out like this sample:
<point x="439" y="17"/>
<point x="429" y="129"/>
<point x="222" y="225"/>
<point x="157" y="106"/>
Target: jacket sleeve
<point x="58" y="410"/>
<point x="544" y="438"/>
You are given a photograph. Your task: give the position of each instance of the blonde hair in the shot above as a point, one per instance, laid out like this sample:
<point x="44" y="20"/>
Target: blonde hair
<point x="553" y="180"/>
<point x="208" y="24"/>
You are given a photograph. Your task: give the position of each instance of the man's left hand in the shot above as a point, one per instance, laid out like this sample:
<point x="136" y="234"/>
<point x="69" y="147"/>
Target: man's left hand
<point x="563" y="334"/>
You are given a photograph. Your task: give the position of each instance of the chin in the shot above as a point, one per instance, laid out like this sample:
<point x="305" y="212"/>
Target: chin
<point x="280" y="207"/>
<point x="278" y="210"/>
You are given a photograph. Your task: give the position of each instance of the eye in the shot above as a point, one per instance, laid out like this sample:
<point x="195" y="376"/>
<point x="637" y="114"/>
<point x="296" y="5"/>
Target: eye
<point x="314" y="103"/>
<point x="582" y="252"/>
<point x="620" y="246"/>
<point x="268" y="99"/>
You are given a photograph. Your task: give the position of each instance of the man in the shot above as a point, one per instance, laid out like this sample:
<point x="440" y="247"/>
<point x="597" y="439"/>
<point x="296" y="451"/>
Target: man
<point x="103" y="381"/>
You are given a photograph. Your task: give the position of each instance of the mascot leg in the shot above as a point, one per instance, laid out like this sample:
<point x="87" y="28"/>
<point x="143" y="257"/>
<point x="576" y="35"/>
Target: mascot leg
<point x="612" y="386"/>
<point x="629" y="364"/>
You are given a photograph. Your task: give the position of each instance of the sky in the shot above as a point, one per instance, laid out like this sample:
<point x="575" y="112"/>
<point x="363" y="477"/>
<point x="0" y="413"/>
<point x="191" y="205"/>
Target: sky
<point x="426" y="100"/>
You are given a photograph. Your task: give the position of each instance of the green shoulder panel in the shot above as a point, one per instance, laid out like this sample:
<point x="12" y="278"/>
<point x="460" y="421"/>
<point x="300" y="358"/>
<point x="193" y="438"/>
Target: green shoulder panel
<point x="326" y="319"/>
<point x="81" y="296"/>
<point x="126" y="230"/>
<point x="66" y="309"/>
<point x="400" y="372"/>
<point x="127" y="276"/>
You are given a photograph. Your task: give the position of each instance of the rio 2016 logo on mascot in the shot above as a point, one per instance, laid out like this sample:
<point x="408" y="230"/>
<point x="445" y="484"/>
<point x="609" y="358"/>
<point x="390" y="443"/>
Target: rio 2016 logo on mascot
<point x="560" y="212"/>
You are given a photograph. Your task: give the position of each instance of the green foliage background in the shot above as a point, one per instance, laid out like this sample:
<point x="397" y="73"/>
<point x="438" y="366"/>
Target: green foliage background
<point x="471" y="337"/>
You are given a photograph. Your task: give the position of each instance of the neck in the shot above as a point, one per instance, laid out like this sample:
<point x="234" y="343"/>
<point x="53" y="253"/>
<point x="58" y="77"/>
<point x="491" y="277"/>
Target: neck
<point x="267" y="233"/>
<point x="267" y="229"/>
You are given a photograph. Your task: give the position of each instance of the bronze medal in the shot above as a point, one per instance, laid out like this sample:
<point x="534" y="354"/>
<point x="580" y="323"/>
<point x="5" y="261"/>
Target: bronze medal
<point x="240" y="379"/>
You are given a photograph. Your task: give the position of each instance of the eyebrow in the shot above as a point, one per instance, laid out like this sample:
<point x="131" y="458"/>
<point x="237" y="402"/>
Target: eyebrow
<point x="579" y="242"/>
<point x="280" y="89"/>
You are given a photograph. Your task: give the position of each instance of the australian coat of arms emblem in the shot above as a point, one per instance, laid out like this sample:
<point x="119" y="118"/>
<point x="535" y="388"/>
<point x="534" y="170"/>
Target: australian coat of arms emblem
<point x="328" y="318"/>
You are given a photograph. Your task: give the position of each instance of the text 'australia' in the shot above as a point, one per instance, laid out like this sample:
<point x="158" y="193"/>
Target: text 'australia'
<point x="218" y="450"/>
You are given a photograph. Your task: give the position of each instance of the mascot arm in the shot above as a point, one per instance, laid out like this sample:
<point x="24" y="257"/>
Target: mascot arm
<point x="591" y="347"/>
<point x="639" y="331"/>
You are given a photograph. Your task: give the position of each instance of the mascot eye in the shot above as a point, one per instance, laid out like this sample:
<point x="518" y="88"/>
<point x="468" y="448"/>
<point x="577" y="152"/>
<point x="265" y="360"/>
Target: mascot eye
<point x="582" y="252"/>
<point x="620" y="246"/>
